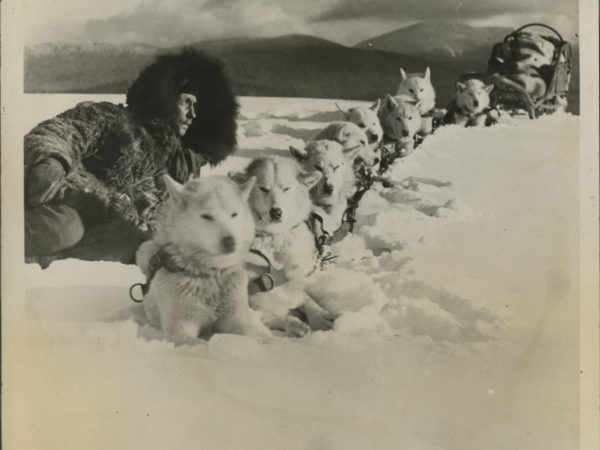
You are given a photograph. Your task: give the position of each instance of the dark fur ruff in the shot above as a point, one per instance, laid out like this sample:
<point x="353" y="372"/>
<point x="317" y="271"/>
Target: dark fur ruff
<point x="114" y="157"/>
<point x="153" y="96"/>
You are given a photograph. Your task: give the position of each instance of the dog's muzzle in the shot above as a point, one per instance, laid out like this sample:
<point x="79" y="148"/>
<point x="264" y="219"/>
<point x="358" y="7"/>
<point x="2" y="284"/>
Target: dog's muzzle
<point x="328" y="189"/>
<point x="228" y="244"/>
<point x="275" y="214"/>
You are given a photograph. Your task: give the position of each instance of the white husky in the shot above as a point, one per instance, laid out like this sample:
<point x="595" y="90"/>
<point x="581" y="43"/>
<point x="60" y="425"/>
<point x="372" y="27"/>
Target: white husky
<point x="418" y="87"/>
<point x="354" y="141"/>
<point x="337" y="183"/>
<point x="470" y="104"/>
<point x="401" y="121"/>
<point x="198" y="285"/>
<point x="366" y="118"/>
<point x="281" y="205"/>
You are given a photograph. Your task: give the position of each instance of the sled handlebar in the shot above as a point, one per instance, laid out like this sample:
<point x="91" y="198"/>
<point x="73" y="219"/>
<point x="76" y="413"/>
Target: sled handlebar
<point x="514" y="33"/>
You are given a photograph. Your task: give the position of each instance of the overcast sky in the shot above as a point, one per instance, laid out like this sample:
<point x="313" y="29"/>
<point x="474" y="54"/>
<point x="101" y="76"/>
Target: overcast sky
<point x="174" y="22"/>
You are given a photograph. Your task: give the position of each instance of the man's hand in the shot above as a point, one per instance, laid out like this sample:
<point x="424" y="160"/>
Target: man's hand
<point x="44" y="181"/>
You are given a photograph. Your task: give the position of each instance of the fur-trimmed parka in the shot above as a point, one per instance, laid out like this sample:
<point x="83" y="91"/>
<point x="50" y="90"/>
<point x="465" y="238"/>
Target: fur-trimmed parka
<point x="114" y="156"/>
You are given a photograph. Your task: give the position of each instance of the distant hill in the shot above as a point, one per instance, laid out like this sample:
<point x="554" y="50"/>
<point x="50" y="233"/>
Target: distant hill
<point x="286" y="66"/>
<point x="293" y="66"/>
<point x="437" y="40"/>
<point x="88" y="67"/>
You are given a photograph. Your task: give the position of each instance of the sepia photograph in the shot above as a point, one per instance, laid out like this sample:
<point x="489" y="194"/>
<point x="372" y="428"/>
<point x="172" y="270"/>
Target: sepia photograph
<point x="318" y="225"/>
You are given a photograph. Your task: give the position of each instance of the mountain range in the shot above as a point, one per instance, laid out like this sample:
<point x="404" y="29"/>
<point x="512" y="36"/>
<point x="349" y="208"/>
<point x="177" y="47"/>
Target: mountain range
<point x="286" y="66"/>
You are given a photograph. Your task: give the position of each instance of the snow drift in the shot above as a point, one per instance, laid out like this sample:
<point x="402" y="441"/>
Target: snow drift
<point x="459" y="327"/>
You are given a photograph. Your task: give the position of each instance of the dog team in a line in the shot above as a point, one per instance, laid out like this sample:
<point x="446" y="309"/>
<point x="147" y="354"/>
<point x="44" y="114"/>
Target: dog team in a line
<point x="230" y="254"/>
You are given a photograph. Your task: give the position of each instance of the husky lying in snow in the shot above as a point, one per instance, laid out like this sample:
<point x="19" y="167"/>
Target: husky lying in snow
<point x="330" y="195"/>
<point x="198" y="284"/>
<point x="366" y="119"/>
<point x="471" y="104"/>
<point x="354" y="142"/>
<point x="280" y="204"/>
<point x="400" y="120"/>
<point x="418" y="87"/>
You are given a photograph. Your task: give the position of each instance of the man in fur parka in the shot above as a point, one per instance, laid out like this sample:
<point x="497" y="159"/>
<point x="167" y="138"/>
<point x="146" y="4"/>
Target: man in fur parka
<point x="93" y="174"/>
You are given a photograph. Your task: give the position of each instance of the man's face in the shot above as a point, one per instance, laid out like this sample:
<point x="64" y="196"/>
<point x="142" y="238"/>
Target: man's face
<point x="186" y="112"/>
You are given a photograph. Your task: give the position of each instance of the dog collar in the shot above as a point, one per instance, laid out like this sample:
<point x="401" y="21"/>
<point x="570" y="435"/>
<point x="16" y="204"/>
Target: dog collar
<point x="267" y="280"/>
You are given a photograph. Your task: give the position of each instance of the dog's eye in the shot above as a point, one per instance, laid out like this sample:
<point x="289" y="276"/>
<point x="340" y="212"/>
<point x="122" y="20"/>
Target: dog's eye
<point x="362" y="125"/>
<point x="336" y="167"/>
<point x="412" y="91"/>
<point x="234" y="214"/>
<point x="264" y="189"/>
<point x="363" y="143"/>
<point x="421" y="90"/>
<point x="208" y="217"/>
<point x="410" y="118"/>
<point x="286" y="189"/>
<point x="319" y="168"/>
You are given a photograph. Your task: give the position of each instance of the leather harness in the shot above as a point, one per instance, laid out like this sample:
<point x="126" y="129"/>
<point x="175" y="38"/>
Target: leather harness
<point x="162" y="259"/>
<point x="267" y="280"/>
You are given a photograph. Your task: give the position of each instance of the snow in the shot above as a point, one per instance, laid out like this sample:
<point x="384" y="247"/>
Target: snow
<point x="459" y="296"/>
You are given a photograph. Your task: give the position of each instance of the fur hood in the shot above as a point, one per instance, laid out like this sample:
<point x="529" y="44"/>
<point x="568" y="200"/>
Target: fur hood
<point x="154" y="94"/>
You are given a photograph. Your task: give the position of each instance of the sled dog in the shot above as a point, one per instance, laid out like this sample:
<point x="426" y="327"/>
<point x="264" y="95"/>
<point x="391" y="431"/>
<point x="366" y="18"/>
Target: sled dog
<point x="471" y="103"/>
<point x="194" y="264"/>
<point x="280" y="204"/>
<point x="329" y="196"/>
<point x="366" y="118"/>
<point x="354" y="141"/>
<point x="400" y="121"/>
<point x="418" y="87"/>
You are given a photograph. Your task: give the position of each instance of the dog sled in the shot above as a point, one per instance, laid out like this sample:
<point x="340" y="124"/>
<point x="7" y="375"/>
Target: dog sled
<point x="530" y="72"/>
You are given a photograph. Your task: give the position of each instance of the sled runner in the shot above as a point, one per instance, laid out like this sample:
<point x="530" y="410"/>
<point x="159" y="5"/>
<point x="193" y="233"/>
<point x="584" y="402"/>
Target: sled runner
<point x="530" y="71"/>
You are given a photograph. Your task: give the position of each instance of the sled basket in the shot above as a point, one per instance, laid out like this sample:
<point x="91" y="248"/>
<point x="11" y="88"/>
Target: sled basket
<point x="508" y="93"/>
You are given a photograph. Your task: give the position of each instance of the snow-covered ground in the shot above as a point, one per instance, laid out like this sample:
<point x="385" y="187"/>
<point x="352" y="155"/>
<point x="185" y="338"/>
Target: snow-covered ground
<point x="460" y="293"/>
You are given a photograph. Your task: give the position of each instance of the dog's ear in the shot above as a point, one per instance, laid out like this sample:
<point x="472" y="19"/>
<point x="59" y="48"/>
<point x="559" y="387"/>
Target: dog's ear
<point x="351" y="155"/>
<point x="488" y="88"/>
<point x="246" y="188"/>
<point x="390" y="102"/>
<point x="460" y="86"/>
<point x="175" y="189"/>
<point x="427" y="74"/>
<point x="309" y="179"/>
<point x="238" y="177"/>
<point x="342" y="134"/>
<point x="402" y="75"/>
<point x="299" y="154"/>
<point x="375" y="106"/>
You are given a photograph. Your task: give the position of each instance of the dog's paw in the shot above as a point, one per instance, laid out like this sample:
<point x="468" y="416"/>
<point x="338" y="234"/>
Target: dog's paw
<point x="294" y="327"/>
<point x="323" y="321"/>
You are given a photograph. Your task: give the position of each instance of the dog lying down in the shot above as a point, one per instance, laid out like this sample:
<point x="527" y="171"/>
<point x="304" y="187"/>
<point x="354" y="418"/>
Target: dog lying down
<point x="471" y="104"/>
<point x="280" y="204"/>
<point x="337" y="184"/>
<point x="354" y="141"/>
<point x="365" y="117"/>
<point x="400" y="120"/>
<point x="195" y="263"/>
